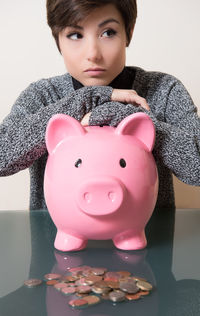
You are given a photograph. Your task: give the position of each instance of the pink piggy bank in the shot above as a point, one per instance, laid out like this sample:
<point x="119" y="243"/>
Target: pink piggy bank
<point x="100" y="182"/>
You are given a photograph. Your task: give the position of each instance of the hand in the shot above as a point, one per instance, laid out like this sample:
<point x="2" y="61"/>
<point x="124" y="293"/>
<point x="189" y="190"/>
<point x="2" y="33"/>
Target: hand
<point x="85" y="119"/>
<point x="129" y="97"/>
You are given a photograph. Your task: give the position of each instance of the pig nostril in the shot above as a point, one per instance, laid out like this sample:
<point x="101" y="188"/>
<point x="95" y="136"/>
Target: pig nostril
<point x="88" y="197"/>
<point x="111" y="196"/>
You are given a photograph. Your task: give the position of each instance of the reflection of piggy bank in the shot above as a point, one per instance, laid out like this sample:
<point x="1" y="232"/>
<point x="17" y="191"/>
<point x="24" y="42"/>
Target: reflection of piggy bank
<point x="100" y="182"/>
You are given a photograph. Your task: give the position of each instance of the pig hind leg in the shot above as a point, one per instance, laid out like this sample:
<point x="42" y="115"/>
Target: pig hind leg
<point x="129" y="240"/>
<point x="67" y="242"/>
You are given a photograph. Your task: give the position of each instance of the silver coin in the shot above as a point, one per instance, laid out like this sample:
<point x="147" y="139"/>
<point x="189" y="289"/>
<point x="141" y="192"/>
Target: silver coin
<point x="128" y="287"/>
<point x="144" y="285"/>
<point x="83" y="289"/>
<point x="117" y="296"/>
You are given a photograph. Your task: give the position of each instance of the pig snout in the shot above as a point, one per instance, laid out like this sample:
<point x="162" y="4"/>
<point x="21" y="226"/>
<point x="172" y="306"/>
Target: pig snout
<point x="101" y="196"/>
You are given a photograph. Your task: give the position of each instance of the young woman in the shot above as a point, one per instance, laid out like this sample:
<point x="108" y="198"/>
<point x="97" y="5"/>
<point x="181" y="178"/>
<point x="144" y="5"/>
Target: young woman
<point x="92" y="36"/>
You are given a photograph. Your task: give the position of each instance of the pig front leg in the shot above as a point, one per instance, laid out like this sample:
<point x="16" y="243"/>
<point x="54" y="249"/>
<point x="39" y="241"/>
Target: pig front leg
<point x="129" y="240"/>
<point x="67" y="242"/>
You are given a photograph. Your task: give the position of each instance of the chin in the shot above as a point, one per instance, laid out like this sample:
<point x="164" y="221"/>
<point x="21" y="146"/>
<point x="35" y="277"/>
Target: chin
<point x="96" y="82"/>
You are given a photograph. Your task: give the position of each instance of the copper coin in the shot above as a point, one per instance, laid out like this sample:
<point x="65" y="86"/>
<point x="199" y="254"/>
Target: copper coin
<point x="81" y="281"/>
<point x="78" y="303"/>
<point x="83" y="289"/>
<point x="99" y="271"/>
<point x="60" y="285"/>
<point x="105" y="296"/>
<point x="124" y="273"/>
<point x="81" y="295"/>
<point x="92" y="299"/>
<point x="32" y="282"/>
<point x="112" y="275"/>
<point x="144" y="293"/>
<point x="52" y="282"/>
<point x="112" y="279"/>
<point x="68" y="278"/>
<point x="134" y="297"/>
<point x="92" y="279"/>
<point x="113" y="284"/>
<point x="68" y="290"/>
<point x="100" y="290"/>
<point x="52" y="276"/>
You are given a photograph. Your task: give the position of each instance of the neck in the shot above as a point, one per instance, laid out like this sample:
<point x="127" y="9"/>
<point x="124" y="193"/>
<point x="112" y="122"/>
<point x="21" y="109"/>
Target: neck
<point x="123" y="81"/>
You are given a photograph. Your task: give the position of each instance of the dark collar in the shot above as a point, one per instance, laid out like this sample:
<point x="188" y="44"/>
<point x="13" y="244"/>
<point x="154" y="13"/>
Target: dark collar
<point x="123" y="81"/>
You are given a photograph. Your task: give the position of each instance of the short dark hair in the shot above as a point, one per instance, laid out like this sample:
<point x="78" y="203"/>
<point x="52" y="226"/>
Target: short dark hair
<point x="61" y="13"/>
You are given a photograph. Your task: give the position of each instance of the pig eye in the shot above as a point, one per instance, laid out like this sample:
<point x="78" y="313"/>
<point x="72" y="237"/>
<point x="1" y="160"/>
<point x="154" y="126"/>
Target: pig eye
<point x="122" y="163"/>
<point x="78" y="163"/>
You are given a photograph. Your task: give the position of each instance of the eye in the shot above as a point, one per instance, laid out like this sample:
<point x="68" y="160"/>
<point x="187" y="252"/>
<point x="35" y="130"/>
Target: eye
<point x="122" y="163"/>
<point x="78" y="163"/>
<point x="109" y="33"/>
<point x="74" y="36"/>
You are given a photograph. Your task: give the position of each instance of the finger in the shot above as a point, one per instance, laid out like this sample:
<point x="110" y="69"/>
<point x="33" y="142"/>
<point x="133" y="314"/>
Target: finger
<point x="139" y="101"/>
<point x="85" y="119"/>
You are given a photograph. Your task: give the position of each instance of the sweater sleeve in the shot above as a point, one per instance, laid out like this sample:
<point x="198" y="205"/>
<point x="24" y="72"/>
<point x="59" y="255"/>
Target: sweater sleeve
<point x="22" y="132"/>
<point x="178" y="137"/>
<point x="177" y="143"/>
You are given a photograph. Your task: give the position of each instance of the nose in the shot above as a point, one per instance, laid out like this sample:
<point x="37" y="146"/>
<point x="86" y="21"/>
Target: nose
<point x="101" y="196"/>
<point x="93" y="51"/>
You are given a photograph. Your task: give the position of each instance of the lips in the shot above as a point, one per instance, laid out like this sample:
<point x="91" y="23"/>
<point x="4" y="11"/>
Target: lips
<point x="94" y="69"/>
<point x="95" y="72"/>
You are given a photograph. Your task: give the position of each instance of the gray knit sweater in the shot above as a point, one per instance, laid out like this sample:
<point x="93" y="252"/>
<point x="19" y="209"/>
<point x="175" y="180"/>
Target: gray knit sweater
<point x="177" y="147"/>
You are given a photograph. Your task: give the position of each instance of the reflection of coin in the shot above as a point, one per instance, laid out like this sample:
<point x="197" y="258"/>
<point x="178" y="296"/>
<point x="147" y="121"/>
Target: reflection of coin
<point x="32" y="282"/>
<point x="52" y="282"/>
<point x="52" y="276"/>
<point x="78" y="303"/>
<point x="144" y="286"/>
<point x="117" y="296"/>
<point x="92" y="299"/>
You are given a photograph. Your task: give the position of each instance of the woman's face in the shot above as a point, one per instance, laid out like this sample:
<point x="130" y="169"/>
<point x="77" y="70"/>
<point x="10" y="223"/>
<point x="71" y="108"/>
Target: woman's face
<point x="94" y="50"/>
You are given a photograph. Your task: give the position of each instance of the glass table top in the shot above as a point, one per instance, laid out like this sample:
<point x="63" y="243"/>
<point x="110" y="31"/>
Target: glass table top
<point x="170" y="262"/>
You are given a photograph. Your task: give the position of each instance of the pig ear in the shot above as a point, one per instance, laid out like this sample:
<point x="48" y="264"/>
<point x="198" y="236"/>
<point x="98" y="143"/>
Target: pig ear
<point x="140" y="126"/>
<point x="59" y="127"/>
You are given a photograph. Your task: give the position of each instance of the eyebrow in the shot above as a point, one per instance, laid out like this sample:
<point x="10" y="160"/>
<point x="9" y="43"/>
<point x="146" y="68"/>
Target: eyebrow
<point x="99" y="25"/>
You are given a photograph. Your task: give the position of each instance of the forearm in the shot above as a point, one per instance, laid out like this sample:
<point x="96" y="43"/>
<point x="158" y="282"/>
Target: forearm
<point x="22" y="134"/>
<point x="177" y="148"/>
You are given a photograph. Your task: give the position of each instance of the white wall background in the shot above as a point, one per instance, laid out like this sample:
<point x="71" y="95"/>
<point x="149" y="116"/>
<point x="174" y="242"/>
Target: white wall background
<point x="166" y="39"/>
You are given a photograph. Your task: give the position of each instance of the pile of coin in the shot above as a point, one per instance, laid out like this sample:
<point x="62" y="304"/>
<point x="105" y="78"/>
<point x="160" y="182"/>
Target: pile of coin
<point x="92" y="285"/>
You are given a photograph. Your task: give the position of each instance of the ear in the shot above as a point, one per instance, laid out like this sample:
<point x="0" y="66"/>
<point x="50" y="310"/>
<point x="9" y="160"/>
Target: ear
<point x="59" y="127"/>
<point x="140" y="126"/>
<point x="131" y="35"/>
